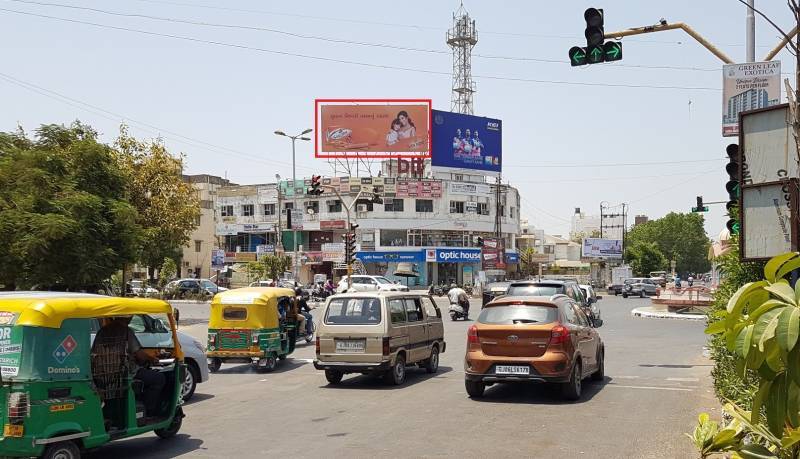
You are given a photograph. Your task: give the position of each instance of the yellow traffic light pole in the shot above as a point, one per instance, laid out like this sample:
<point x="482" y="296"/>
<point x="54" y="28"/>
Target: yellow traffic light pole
<point x="664" y="25"/>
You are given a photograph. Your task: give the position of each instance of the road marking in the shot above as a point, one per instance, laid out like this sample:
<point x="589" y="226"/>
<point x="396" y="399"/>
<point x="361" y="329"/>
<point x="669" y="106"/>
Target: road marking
<point x="683" y="379"/>
<point x="677" y="389"/>
<point x="626" y="377"/>
<point x="304" y="360"/>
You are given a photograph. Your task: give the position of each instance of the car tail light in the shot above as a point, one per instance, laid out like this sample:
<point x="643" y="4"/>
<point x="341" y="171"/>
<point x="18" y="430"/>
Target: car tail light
<point x="387" y="348"/>
<point x="559" y="334"/>
<point x="316" y="345"/>
<point x="18" y="407"/>
<point x="472" y="338"/>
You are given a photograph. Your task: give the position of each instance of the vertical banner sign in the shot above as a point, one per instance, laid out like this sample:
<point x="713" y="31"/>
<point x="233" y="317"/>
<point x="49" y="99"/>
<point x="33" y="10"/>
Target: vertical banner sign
<point x="493" y="253"/>
<point x="748" y="87"/>
<point x="217" y="259"/>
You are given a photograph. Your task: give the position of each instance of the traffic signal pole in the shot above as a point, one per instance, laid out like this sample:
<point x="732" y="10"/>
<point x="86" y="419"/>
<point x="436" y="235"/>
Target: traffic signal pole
<point x="663" y="26"/>
<point x="347" y="209"/>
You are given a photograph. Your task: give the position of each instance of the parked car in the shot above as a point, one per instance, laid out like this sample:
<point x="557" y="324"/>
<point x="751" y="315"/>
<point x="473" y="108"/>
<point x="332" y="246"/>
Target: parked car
<point x="181" y="288"/>
<point x="365" y="283"/>
<point x="261" y="283"/>
<point x="153" y="332"/>
<point x="548" y="288"/>
<point x="545" y="339"/>
<point x="138" y="287"/>
<point x="639" y="286"/>
<point x="493" y="290"/>
<point x="379" y="333"/>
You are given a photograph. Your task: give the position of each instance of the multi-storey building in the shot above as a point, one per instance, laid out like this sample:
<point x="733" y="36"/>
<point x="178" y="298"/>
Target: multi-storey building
<point x="196" y="259"/>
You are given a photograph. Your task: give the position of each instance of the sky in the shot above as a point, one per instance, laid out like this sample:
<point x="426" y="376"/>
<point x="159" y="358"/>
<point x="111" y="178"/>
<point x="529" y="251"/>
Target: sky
<point x="644" y="131"/>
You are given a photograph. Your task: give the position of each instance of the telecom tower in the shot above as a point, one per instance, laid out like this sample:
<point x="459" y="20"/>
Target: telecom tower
<point x="462" y="38"/>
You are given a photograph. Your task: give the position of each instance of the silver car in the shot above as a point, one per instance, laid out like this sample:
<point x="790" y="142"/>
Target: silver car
<point x="639" y="286"/>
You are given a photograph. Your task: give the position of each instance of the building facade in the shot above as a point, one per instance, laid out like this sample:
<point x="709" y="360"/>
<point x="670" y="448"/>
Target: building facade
<point x="248" y="222"/>
<point x="196" y="257"/>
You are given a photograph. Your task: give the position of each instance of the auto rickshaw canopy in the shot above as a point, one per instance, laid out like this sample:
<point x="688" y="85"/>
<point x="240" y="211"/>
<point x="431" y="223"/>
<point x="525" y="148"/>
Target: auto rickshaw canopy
<point x="261" y="304"/>
<point x="50" y="309"/>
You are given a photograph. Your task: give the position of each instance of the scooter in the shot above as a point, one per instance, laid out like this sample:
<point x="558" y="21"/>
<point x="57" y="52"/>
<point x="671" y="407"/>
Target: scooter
<point x="458" y="312"/>
<point x="302" y="333"/>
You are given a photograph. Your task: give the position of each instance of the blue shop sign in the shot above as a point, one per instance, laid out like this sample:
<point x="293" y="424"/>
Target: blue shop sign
<point x="512" y="258"/>
<point x="458" y="255"/>
<point x="391" y="257"/>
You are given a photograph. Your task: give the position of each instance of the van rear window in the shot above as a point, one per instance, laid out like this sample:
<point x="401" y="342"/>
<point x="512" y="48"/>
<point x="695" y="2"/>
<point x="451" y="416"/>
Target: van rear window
<point x="518" y="314"/>
<point x="234" y="314"/>
<point x="353" y="311"/>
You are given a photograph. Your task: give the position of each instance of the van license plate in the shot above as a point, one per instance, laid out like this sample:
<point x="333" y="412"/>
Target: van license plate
<point x="512" y="370"/>
<point x="350" y="346"/>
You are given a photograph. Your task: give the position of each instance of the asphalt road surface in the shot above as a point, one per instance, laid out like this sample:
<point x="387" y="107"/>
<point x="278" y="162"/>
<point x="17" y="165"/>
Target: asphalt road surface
<point x="657" y="381"/>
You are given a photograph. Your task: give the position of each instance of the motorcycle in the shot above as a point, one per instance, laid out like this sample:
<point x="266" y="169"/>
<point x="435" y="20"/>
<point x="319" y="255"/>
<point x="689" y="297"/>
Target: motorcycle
<point x="458" y="312"/>
<point x="302" y="333"/>
<point x="468" y="289"/>
<point x="435" y="290"/>
<point x="319" y="293"/>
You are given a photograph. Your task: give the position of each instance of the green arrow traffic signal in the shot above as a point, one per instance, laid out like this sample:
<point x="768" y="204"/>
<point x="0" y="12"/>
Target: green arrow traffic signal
<point x="612" y="51"/>
<point x="595" y="54"/>
<point x="733" y="226"/>
<point x="577" y="56"/>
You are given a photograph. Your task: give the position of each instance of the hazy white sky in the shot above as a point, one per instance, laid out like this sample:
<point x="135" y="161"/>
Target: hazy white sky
<point x="220" y="104"/>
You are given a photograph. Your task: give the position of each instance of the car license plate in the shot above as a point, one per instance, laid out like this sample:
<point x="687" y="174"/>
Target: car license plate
<point x="350" y="346"/>
<point x="512" y="370"/>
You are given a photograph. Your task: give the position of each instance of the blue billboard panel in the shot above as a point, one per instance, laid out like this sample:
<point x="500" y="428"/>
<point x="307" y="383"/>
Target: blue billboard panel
<point x="467" y="142"/>
<point x="457" y="255"/>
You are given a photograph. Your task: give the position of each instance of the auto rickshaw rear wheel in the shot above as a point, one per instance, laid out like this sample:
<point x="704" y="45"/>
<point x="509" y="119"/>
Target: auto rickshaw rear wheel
<point x="270" y="362"/>
<point x="214" y="364"/>
<point x="173" y="427"/>
<point x="62" y="450"/>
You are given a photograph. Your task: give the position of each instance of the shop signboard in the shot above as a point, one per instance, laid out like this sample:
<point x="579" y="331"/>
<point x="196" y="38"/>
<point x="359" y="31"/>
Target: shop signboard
<point x="372" y="128"/>
<point x="602" y="248"/>
<point x="297" y="219"/>
<point x="226" y="229"/>
<point x="746" y="87"/>
<point x="463" y="141"/>
<point x="470" y="189"/>
<point x="457" y="255"/>
<point x="258" y="228"/>
<point x="471" y="206"/>
<point x="392" y="257"/>
<point x="239" y="257"/>
<point x="217" y="259"/>
<point x="512" y="258"/>
<point x="332" y="224"/>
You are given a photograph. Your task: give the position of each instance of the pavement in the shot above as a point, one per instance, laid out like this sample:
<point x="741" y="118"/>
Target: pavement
<point x="657" y="381"/>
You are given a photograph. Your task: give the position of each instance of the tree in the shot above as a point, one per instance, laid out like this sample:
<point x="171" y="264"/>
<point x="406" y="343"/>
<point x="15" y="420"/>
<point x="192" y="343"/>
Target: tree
<point x="167" y="207"/>
<point x="529" y="267"/>
<point x="168" y="271"/>
<point x="64" y="215"/>
<point x="679" y="237"/>
<point x="275" y="265"/>
<point x="645" y="257"/>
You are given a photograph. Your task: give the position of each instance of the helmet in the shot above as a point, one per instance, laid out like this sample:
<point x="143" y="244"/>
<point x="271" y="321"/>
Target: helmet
<point x="453" y="285"/>
<point x="298" y="291"/>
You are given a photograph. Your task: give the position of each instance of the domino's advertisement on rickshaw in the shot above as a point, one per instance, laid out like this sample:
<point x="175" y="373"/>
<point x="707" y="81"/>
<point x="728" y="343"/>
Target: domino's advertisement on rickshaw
<point x="10" y="346"/>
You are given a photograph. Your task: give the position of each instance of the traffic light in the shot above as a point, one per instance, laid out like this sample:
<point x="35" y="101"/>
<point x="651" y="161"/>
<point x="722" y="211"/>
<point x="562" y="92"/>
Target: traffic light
<point x="700" y="207"/>
<point x="732" y="186"/>
<point x="315" y="186"/>
<point x="349" y="247"/>
<point x="596" y="50"/>
<point x="376" y="199"/>
<point x="480" y="241"/>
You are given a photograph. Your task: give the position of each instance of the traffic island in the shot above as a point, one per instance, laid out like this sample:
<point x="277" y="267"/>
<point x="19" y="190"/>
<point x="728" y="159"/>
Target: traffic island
<point x="662" y="312"/>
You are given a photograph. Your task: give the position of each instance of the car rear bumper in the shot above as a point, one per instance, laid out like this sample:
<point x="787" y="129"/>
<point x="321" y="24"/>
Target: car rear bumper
<point x="552" y="366"/>
<point x="501" y="378"/>
<point x="349" y="367"/>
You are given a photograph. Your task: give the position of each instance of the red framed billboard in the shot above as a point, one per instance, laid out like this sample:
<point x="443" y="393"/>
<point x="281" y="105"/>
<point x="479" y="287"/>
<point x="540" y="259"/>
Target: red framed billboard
<point x="372" y="128"/>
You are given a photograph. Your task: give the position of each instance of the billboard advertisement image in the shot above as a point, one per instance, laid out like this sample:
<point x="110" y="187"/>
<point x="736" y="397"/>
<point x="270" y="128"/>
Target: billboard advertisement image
<point x="602" y="248"/>
<point x="368" y="128"/>
<point x="467" y="142"/>
<point x="748" y="87"/>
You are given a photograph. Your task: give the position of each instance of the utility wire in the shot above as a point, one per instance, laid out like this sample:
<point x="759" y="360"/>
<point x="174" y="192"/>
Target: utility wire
<point x="357" y="63"/>
<point x="650" y="163"/>
<point x="344" y="41"/>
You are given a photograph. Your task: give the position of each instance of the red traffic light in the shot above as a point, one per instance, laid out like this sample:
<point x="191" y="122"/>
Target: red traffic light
<point x="593" y="17"/>
<point x="733" y="151"/>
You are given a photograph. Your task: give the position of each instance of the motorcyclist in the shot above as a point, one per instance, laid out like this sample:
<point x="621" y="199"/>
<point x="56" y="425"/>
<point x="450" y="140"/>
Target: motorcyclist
<point x="690" y="280"/>
<point x="458" y="296"/>
<point x="304" y="312"/>
<point x="330" y="289"/>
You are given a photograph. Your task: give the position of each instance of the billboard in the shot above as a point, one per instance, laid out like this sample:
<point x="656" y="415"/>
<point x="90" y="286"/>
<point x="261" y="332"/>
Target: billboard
<point x="372" y="128"/>
<point x="769" y="152"/>
<point x="602" y="248"/>
<point x="493" y="253"/>
<point x="768" y="210"/>
<point x="467" y="142"/>
<point x="217" y="259"/>
<point x="748" y="87"/>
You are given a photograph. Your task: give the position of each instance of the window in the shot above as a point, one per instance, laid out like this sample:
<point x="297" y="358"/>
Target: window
<point x="582" y="320"/>
<point x="383" y="280"/>
<point x="424" y="205"/>
<point x="269" y="209"/>
<point x="502" y="210"/>
<point x="483" y="208"/>
<point x="534" y="290"/>
<point x="334" y="206"/>
<point x="248" y="210"/>
<point x="288" y="205"/>
<point x="208" y="285"/>
<point x="456" y="207"/>
<point x="431" y="310"/>
<point x="353" y="311"/>
<point x="458" y="177"/>
<point x="511" y="212"/>
<point x="234" y="313"/>
<point x="569" y="314"/>
<point x="313" y="205"/>
<point x="226" y="211"/>
<point x="198" y="246"/>
<point x="413" y="310"/>
<point x="137" y="324"/>
<point x="513" y="314"/>
<point x="397" y="310"/>
<point x="393" y="205"/>
<point x="197" y="220"/>
<point x="393" y="238"/>
<point x="361" y="207"/>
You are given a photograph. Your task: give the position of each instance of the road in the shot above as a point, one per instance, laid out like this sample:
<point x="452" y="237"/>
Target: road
<point x="657" y="381"/>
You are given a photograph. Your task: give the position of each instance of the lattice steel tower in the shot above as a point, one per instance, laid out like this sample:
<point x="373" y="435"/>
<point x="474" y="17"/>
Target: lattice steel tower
<point x="462" y="38"/>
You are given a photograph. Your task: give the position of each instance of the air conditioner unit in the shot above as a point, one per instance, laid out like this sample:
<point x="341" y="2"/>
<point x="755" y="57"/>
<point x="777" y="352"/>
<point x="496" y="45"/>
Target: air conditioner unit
<point x="361" y="208"/>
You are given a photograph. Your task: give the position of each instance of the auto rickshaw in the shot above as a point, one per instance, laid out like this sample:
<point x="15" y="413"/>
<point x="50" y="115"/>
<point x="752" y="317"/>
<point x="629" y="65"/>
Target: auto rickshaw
<point x="256" y="325"/>
<point x="62" y="391"/>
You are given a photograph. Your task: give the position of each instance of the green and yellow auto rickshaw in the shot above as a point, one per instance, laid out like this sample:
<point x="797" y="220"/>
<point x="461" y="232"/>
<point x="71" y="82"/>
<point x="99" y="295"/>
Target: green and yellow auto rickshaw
<point x="65" y="389"/>
<point x="255" y="325"/>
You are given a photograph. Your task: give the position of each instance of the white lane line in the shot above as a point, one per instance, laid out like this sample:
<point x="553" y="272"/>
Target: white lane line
<point x="304" y="360"/>
<point x="683" y="379"/>
<point x="626" y="377"/>
<point x="676" y="389"/>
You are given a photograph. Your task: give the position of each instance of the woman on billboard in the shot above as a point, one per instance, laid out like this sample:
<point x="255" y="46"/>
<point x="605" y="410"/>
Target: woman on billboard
<point x="407" y="128"/>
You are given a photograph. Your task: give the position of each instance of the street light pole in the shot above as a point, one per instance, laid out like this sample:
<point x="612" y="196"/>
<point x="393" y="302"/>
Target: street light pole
<point x="296" y="270"/>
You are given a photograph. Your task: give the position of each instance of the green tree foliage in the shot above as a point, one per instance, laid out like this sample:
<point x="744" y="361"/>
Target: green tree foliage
<point x="274" y="266"/>
<point x="167" y="207"/>
<point x="168" y="271"/>
<point x="679" y="237"/>
<point x="760" y="327"/>
<point x="64" y="214"/>
<point x="645" y="257"/>
<point x="527" y="264"/>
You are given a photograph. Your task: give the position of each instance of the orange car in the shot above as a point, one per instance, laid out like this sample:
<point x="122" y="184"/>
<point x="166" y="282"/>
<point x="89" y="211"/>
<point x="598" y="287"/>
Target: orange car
<point x="538" y="339"/>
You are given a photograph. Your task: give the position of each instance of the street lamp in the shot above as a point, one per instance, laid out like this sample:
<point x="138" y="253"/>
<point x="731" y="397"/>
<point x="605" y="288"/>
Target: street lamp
<point x="294" y="194"/>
